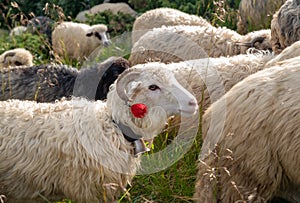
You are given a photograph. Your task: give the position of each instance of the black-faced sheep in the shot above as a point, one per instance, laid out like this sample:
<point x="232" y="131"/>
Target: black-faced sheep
<point x="159" y="17"/>
<point x="179" y="43"/>
<point x="16" y="57"/>
<point x="75" y="148"/>
<point x="285" y="26"/>
<point x="115" y="8"/>
<point x="256" y="15"/>
<point x="253" y="133"/>
<point x="41" y="25"/>
<point x="47" y="83"/>
<point x="78" y="40"/>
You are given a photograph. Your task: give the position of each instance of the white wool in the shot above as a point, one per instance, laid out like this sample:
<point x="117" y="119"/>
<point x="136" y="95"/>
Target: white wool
<point x="70" y="39"/>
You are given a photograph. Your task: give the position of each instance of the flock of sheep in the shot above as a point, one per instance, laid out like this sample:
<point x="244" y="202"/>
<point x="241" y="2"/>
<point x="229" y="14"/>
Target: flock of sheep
<point x="73" y="133"/>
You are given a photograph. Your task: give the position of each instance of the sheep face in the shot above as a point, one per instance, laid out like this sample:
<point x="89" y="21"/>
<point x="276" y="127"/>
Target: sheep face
<point x="260" y="40"/>
<point x="17" y="57"/>
<point x="99" y="31"/>
<point x="156" y="87"/>
<point x="159" y="87"/>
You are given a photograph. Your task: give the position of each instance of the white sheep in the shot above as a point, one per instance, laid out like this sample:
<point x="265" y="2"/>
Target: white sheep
<point x="256" y="15"/>
<point x="78" y="40"/>
<point x="17" y="31"/>
<point x="285" y="26"/>
<point x="16" y="57"/>
<point x="253" y="135"/>
<point x="80" y="149"/>
<point x="178" y="43"/>
<point x="115" y="8"/>
<point x="159" y="17"/>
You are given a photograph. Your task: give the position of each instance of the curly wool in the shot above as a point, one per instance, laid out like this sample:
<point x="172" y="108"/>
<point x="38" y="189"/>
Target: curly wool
<point x="50" y="148"/>
<point x="256" y="15"/>
<point x="285" y="25"/>
<point x="179" y="43"/>
<point x="159" y="17"/>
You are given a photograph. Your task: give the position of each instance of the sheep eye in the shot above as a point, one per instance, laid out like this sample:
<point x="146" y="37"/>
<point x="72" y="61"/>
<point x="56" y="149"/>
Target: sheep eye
<point x="153" y="87"/>
<point x="17" y="63"/>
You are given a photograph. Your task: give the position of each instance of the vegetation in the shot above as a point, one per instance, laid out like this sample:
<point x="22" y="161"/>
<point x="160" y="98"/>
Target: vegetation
<point x="176" y="183"/>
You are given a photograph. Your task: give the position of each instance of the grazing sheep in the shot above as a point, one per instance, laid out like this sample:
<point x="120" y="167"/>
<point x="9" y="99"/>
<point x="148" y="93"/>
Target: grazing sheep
<point x="256" y="15"/>
<point x="159" y="17"/>
<point x="47" y="83"/>
<point x="178" y="43"/>
<point x="41" y="25"/>
<point x="16" y="57"/>
<point x="77" y="40"/>
<point x="254" y="137"/>
<point x="17" y="31"/>
<point x="115" y="8"/>
<point x="285" y="26"/>
<point x="76" y="149"/>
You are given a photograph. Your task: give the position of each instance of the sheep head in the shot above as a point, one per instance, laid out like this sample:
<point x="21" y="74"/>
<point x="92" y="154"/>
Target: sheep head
<point x="285" y="26"/>
<point x="17" y="57"/>
<point x="154" y="86"/>
<point x="99" y="31"/>
<point x="260" y="40"/>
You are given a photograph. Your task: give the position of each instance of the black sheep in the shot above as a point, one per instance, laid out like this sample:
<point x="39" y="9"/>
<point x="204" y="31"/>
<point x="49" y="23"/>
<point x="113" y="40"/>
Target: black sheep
<point x="47" y="83"/>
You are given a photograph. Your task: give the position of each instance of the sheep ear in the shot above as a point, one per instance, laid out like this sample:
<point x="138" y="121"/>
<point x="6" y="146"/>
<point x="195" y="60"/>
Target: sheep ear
<point x="89" y="34"/>
<point x="123" y="81"/>
<point x="10" y="54"/>
<point x="252" y="43"/>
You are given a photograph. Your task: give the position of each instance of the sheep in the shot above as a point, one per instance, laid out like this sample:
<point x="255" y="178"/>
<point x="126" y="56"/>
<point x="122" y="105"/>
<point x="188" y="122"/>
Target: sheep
<point x="41" y="25"/>
<point x="178" y="43"/>
<point x="285" y="26"/>
<point x="16" y="57"/>
<point x="17" y="31"/>
<point x="115" y="8"/>
<point x="77" y="149"/>
<point x="159" y="17"/>
<point x="251" y="148"/>
<point x="256" y="15"/>
<point x="47" y="83"/>
<point x="78" y="40"/>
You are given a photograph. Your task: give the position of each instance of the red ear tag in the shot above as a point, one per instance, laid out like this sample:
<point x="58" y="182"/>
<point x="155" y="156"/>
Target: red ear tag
<point x="138" y="110"/>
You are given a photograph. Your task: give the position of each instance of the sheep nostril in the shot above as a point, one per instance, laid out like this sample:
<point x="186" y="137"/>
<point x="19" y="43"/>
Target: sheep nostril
<point x="192" y="103"/>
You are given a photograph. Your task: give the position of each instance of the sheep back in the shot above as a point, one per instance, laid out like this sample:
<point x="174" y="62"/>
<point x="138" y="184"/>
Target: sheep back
<point x="68" y="149"/>
<point x="256" y="136"/>
<point x="163" y="17"/>
<point x="43" y="83"/>
<point x="47" y="83"/>
<point x="178" y="43"/>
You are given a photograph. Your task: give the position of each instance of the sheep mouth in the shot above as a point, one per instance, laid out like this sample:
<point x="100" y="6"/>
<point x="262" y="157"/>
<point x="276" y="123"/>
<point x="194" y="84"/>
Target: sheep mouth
<point x="187" y="113"/>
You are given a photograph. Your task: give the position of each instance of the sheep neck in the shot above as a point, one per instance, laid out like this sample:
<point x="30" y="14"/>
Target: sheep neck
<point x="132" y="137"/>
